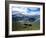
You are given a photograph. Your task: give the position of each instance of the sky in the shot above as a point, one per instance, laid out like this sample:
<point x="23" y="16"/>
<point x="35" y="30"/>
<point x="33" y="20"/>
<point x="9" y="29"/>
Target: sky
<point x="26" y="10"/>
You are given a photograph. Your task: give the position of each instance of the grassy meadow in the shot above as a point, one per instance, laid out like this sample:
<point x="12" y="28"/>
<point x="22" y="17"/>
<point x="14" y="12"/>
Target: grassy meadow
<point x="16" y="26"/>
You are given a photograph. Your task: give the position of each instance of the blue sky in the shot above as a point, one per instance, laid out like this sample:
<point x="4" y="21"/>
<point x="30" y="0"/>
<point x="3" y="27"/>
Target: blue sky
<point x="27" y="10"/>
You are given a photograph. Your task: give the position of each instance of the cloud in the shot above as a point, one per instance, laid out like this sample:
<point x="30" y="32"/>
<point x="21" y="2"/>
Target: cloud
<point x="26" y="10"/>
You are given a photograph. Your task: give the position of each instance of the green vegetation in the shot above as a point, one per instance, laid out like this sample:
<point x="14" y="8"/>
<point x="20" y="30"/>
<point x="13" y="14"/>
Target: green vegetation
<point x="17" y="26"/>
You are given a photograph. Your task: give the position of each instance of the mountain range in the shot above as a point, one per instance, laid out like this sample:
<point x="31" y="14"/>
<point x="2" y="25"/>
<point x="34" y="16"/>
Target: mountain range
<point x="22" y="17"/>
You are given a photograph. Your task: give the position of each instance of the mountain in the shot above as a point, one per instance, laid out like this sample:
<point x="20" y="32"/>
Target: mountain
<point x="22" y="17"/>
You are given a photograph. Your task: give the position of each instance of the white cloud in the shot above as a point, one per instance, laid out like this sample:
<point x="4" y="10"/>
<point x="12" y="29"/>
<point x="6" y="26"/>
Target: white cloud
<point x="24" y="11"/>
